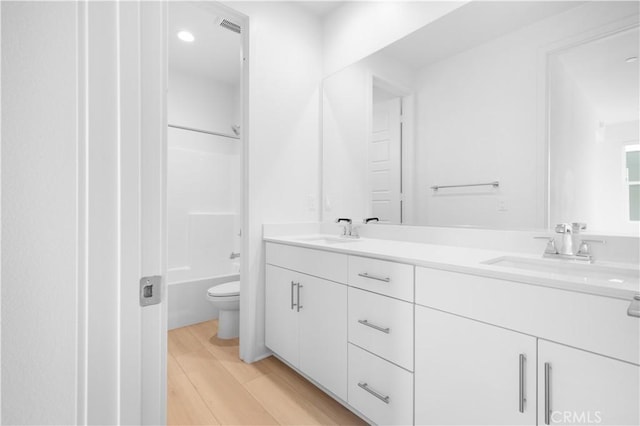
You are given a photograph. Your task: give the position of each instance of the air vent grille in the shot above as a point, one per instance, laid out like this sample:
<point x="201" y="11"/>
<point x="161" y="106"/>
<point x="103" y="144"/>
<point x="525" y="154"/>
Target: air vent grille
<point x="230" y="26"/>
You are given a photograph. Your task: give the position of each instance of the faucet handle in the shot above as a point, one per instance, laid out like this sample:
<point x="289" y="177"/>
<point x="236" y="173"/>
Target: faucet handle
<point x="563" y="228"/>
<point x="551" y="244"/>
<point x="370" y="219"/>
<point x="585" y="249"/>
<point x="343" y="219"/>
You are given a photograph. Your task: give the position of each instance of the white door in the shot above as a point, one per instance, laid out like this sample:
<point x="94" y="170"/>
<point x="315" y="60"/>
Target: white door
<point x="579" y="387"/>
<point x="124" y="79"/>
<point x="323" y="333"/>
<point x="281" y="312"/>
<point x="384" y="161"/>
<point x="467" y="372"/>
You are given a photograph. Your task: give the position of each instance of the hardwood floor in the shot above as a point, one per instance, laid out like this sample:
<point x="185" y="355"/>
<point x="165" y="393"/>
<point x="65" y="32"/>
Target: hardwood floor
<point x="208" y="384"/>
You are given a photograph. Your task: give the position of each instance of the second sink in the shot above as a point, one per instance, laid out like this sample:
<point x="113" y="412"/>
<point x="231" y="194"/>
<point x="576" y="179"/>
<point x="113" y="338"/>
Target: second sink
<point x="562" y="267"/>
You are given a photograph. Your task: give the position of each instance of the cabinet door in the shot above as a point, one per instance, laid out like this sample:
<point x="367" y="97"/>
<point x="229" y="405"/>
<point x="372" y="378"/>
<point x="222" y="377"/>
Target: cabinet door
<point x="323" y="333"/>
<point x="281" y="316"/>
<point x="579" y="387"/>
<point x="467" y="372"/>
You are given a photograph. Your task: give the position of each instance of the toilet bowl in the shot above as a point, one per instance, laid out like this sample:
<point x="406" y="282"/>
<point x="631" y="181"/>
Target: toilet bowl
<point x="226" y="297"/>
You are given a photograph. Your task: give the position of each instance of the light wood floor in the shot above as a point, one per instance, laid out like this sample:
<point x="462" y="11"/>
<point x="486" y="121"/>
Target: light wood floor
<point x="209" y="385"/>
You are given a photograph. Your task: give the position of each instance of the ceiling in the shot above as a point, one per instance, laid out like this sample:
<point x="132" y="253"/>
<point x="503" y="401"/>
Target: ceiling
<point x="609" y="82"/>
<point x="320" y="8"/>
<point x="215" y="53"/>
<point x="469" y="26"/>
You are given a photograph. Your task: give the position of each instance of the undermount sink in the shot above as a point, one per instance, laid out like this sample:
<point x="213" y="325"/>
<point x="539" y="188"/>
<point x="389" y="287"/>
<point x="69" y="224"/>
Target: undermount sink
<point x="320" y="239"/>
<point x="584" y="271"/>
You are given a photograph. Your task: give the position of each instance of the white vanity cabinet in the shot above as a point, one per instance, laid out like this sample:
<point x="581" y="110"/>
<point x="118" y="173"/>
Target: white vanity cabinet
<point x="468" y="372"/>
<point x="579" y="387"/>
<point x="406" y="344"/>
<point x="472" y="330"/>
<point x="306" y="315"/>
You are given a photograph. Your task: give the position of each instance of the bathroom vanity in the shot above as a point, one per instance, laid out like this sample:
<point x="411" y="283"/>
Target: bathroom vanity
<point x="412" y="333"/>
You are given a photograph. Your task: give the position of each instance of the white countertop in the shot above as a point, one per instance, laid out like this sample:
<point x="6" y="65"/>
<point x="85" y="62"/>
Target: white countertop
<point x="469" y="261"/>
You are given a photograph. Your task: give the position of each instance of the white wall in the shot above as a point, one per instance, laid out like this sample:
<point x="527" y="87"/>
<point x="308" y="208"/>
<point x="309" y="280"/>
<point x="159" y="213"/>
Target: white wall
<point x="284" y="151"/>
<point x="201" y="102"/>
<point x="573" y="130"/>
<point x="357" y="29"/>
<point x="587" y="167"/>
<point x="497" y="91"/>
<point x="39" y="214"/>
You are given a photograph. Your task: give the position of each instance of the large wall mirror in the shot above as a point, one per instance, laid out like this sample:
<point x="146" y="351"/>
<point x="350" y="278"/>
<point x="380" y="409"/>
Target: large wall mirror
<point x="507" y="115"/>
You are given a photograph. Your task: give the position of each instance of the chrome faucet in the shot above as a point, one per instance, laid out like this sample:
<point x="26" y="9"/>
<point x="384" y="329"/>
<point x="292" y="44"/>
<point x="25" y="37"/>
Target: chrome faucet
<point x="568" y="231"/>
<point x="348" y="230"/>
<point x="567" y="250"/>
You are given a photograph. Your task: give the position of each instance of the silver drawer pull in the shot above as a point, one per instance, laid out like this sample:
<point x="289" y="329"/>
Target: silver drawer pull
<point x="373" y="277"/>
<point x="375" y="327"/>
<point x="381" y="397"/>
<point x="293" y="305"/>
<point x="521" y="387"/>
<point x="547" y="393"/>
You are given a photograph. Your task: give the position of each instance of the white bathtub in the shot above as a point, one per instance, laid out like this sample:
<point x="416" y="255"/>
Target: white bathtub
<point x="188" y="303"/>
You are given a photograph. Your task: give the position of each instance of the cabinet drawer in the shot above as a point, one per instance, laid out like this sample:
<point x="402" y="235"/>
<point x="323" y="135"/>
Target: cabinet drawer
<point x="323" y="264"/>
<point x="380" y="390"/>
<point x="380" y="276"/>
<point x="595" y="323"/>
<point x="382" y="325"/>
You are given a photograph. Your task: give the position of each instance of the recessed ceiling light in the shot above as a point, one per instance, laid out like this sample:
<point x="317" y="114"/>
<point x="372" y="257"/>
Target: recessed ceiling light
<point x="631" y="59"/>
<point x="186" y="36"/>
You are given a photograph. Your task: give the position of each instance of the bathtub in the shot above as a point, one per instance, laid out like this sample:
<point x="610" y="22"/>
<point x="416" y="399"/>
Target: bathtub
<point x="188" y="303"/>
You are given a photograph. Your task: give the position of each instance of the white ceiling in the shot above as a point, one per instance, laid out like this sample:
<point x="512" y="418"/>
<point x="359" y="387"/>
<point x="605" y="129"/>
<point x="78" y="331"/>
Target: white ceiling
<point x="320" y="8"/>
<point x="606" y="79"/>
<point x="469" y="26"/>
<point x="216" y="51"/>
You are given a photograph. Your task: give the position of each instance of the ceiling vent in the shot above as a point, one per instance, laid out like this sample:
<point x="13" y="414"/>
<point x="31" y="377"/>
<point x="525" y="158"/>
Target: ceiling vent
<point x="225" y="23"/>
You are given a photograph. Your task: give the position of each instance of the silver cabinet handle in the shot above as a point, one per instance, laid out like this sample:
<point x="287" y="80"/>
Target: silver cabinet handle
<point x="634" y="308"/>
<point x="547" y="393"/>
<point x="292" y="303"/>
<point x="373" y="277"/>
<point x="521" y="396"/>
<point x="299" y="306"/>
<point x="375" y="327"/>
<point x="378" y="395"/>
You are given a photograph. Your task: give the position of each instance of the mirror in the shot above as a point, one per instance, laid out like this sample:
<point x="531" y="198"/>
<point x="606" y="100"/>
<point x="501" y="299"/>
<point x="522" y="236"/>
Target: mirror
<point x="472" y="121"/>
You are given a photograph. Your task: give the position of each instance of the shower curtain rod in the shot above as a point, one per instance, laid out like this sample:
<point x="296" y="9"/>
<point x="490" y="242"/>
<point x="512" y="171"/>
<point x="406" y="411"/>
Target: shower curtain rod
<point x="208" y="132"/>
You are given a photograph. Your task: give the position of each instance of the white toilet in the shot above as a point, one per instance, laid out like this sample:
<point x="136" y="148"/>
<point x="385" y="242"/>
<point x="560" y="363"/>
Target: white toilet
<point x="226" y="297"/>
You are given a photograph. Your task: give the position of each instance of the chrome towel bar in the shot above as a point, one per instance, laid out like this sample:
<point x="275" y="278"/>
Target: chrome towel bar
<point x="494" y="184"/>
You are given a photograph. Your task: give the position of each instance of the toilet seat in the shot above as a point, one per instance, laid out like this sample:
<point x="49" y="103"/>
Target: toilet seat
<point x="229" y="289"/>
